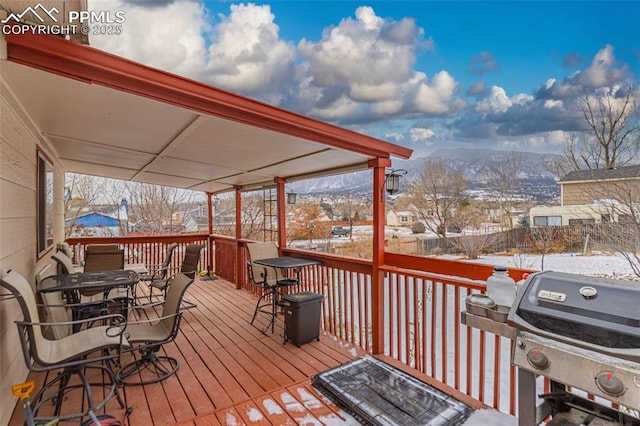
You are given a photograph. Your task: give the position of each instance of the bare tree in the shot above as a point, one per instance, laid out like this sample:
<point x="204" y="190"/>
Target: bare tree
<point x="154" y="207"/>
<point x="351" y="211"/>
<point x="611" y="137"/>
<point x="621" y="198"/>
<point x="306" y="224"/>
<point x="252" y="216"/>
<point x="472" y="242"/>
<point x="504" y="178"/>
<point x="84" y="193"/>
<point x="543" y="238"/>
<point x="81" y="192"/>
<point x="435" y="195"/>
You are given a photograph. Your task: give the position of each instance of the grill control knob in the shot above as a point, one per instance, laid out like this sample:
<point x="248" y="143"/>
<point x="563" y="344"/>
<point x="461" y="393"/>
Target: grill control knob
<point x="537" y="359"/>
<point x="610" y="384"/>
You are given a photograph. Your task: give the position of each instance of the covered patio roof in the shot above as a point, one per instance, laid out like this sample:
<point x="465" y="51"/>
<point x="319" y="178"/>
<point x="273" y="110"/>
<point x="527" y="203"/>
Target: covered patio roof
<point x="108" y="116"/>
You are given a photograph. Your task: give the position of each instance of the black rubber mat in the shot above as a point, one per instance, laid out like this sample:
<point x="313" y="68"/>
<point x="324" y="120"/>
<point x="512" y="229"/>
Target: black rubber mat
<point x="379" y="394"/>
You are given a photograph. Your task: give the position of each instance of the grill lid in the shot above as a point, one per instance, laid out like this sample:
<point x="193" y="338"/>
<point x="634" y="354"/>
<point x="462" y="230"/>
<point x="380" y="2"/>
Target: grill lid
<point x="595" y="313"/>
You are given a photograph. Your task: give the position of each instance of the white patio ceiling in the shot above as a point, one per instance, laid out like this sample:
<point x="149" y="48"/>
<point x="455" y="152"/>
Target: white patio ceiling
<point x="127" y="121"/>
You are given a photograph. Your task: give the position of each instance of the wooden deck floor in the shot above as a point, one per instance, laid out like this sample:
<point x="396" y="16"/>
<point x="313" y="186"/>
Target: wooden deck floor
<point x="231" y="373"/>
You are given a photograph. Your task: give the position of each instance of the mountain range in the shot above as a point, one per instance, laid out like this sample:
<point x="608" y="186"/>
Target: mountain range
<point x="536" y="184"/>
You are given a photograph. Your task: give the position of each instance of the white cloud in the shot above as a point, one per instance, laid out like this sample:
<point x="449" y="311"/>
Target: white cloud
<point x="434" y="98"/>
<point x="242" y="52"/>
<point x="420" y="135"/>
<point x="357" y="52"/>
<point x="168" y="37"/>
<point x="604" y="72"/>
<point x="597" y="74"/>
<point x="387" y="108"/>
<point x="369" y="61"/>
<point x="496" y="100"/>
<point x="337" y="110"/>
<point x="522" y="98"/>
<point x="246" y="54"/>
<point x="394" y="136"/>
<point x="550" y="104"/>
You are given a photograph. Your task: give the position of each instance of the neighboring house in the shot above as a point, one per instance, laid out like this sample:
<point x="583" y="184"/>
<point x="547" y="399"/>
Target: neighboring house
<point x="592" y="196"/>
<point x="101" y="221"/>
<point x="403" y="218"/>
<point x="581" y="187"/>
<point x="95" y="225"/>
<point x="576" y="215"/>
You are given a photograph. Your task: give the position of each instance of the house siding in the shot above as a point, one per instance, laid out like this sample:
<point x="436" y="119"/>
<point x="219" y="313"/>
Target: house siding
<point x="579" y="193"/>
<point x="587" y="192"/>
<point x="18" y="155"/>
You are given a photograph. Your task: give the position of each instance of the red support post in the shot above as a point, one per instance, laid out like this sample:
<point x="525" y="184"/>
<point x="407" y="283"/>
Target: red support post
<point x="377" y="277"/>
<point x="282" y="213"/>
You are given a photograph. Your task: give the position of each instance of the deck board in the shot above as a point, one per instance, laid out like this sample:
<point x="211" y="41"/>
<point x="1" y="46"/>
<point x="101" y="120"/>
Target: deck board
<point x="230" y="371"/>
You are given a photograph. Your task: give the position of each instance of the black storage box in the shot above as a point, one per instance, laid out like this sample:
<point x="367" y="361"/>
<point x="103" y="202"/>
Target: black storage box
<point x="302" y="316"/>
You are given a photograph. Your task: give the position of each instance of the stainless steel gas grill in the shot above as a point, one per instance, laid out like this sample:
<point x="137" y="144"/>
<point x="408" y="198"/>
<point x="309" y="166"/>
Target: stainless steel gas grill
<point x="583" y="333"/>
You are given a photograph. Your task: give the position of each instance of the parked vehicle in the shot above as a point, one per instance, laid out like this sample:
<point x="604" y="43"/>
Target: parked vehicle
<point x="339" y="231"/>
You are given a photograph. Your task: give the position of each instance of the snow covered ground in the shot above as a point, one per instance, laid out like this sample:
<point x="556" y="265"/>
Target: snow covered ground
<point x="599" y="265"/>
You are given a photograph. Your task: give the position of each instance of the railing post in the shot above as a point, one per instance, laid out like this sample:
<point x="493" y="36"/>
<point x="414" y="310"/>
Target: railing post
<point x="377" y="275"/>
<point x="210" y="229"/>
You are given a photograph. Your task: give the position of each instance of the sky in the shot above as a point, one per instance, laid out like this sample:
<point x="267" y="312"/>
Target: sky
<point x="428" y="75"/>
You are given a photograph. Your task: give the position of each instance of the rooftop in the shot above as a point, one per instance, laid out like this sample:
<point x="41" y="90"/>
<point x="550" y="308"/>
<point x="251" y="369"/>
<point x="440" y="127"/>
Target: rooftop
<point x="602" y="174"/>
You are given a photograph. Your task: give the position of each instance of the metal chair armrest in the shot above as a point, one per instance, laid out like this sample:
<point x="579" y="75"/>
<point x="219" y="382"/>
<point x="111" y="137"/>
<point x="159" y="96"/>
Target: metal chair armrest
<point x="153" y="321"/>
<point x="115" y="321"/>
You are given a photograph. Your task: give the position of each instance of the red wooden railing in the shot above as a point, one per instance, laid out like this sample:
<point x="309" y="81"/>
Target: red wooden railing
<point x="150" y="250"/>
<point x="423" y="299"/>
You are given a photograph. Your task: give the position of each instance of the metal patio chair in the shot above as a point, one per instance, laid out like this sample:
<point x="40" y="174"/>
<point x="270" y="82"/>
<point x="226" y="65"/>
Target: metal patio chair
<point x="158" y="274"/>
<point x="73" y="354"/>
<point x="147" y="338"/>
<point x="189" y="267"/>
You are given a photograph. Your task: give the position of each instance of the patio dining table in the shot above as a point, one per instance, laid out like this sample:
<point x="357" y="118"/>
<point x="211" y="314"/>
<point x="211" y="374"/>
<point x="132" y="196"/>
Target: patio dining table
<point x="71" y="285"/>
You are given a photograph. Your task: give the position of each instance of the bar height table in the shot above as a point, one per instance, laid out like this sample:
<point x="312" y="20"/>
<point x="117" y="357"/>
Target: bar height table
<point x="284" y="263"/>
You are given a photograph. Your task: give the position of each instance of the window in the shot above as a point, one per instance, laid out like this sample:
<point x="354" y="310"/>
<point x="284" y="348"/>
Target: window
<point x="547" y="221"/>
<point x="44" y="205"/>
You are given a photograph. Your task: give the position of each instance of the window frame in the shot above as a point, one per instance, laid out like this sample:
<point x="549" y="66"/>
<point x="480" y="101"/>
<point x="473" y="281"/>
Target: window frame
<point x="538" y="219"/>
<point x="44" y="203"/>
